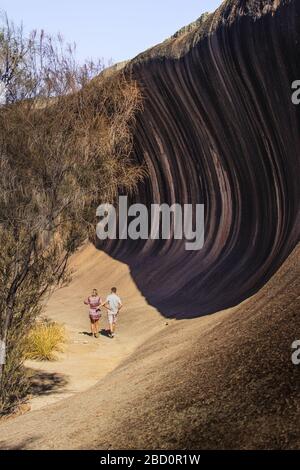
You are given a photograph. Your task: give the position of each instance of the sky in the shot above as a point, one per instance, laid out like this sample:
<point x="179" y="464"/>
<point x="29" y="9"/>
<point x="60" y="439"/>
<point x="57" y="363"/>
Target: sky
<point x="113" y="30"/>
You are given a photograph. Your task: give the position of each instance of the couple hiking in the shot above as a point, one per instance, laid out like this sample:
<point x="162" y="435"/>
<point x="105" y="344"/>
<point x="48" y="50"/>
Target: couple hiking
<point x="112" y="304"/>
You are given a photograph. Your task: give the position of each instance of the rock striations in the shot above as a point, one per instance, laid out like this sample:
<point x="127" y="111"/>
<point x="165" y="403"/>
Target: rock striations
<point x="219" y="128"/>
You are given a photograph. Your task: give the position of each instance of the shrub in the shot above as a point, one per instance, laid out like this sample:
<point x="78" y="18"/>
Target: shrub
<point x="65" y="147"/>
<point x="44" y="340"/>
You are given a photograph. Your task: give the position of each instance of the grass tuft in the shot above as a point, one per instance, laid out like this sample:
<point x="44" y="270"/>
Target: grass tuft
<point x="44" y="340"/>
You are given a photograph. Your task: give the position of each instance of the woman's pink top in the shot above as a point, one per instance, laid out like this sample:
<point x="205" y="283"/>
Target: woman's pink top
<point x="94" y="303"/>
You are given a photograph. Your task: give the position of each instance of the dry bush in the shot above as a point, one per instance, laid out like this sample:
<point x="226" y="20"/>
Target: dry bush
<point x="44" y="340"/>
<point x="64" y="150"/>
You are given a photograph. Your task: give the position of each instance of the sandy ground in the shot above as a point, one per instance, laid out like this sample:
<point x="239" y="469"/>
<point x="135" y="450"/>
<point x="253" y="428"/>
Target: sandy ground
<point x="86" y="360"/>
<point x="224" y="381"/>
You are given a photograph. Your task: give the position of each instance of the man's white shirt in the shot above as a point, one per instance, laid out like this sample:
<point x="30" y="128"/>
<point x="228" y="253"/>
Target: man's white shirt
<point x="114" y="303"/>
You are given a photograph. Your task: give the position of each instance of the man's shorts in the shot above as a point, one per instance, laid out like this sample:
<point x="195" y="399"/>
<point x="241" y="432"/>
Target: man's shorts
<point x="112" y="317"/>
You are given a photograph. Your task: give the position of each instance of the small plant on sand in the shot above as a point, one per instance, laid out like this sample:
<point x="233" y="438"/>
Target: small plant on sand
<point x="44" y="340"/>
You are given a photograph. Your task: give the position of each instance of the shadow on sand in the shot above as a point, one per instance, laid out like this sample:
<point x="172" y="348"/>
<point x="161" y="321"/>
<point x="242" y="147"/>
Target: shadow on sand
<point x="102" y="332"/>
<point x="44" y="383"/>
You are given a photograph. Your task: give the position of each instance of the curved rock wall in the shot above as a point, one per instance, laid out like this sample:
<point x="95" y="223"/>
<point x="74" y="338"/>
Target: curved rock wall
<point x="219" y="128"/>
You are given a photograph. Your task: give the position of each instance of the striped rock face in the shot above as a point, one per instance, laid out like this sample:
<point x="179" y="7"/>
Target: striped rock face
<point x="219" y="128"/>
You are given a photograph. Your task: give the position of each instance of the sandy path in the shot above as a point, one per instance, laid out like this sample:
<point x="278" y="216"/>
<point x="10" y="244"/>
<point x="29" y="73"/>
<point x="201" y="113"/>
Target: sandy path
<point x="225" y="381"/>
<point x="86" y="360"/>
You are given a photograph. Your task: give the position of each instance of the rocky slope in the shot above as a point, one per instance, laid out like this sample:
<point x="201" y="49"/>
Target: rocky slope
<point x="219" y="128"/>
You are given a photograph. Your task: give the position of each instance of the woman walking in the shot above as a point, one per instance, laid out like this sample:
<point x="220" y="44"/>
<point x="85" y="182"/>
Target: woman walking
<point x="94" y="302"/>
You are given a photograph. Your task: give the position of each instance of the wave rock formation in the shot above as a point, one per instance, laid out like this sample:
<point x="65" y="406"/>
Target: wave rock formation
<point x="219" y="128"/>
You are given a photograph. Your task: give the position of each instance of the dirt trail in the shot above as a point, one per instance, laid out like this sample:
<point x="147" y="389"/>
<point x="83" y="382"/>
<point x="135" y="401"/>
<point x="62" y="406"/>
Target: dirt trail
<point x="86" y="360"/>
<point x="224" y="381"/>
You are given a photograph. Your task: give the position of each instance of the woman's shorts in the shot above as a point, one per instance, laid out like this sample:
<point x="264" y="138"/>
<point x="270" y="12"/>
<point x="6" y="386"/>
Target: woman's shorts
<point x="95" y="317"/>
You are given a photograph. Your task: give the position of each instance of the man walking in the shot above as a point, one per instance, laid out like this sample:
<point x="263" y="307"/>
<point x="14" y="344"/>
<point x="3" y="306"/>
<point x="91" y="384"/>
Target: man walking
<point x="113" y="305"/>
